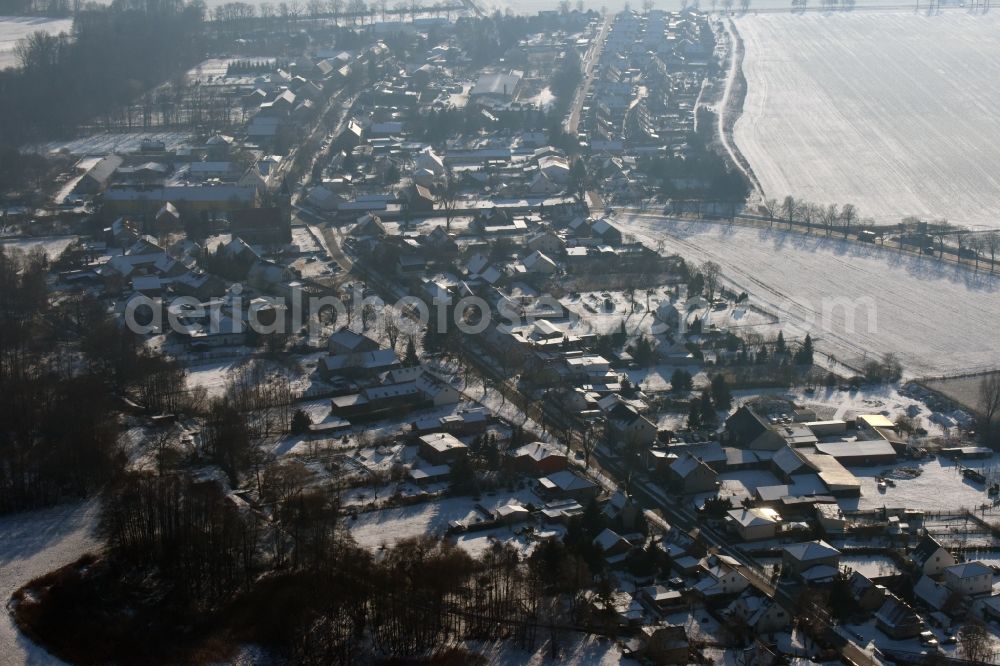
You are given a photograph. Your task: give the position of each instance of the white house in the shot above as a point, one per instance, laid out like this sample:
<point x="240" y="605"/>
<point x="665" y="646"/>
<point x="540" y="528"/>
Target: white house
<point x="969" y="578"/>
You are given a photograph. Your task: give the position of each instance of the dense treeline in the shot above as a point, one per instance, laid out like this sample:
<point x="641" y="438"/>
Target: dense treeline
<point x="65" y="369"/>
<point x="114" y="54"/>
<point x="566" y="78"/>
<point x="187" y="565"/>
<point x="36" y="7"/>
<point x="186" y="529"/>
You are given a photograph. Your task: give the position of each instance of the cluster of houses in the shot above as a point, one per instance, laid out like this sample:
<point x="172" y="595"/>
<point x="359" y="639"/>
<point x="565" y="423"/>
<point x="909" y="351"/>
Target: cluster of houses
<point x="382" y="162"/>
<point x="644" y="99"/>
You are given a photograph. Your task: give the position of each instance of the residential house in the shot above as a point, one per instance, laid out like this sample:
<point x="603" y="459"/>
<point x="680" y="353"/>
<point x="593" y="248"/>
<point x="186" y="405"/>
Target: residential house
<point x="800" y="558"/>
<point x="358" y="365"/>
<point x="568" y="485"/>
<point x="662" y="599"/>
<point x="720" y="577"/>
<point x="867" y="595"/>
<point x="690" y="475"/>
<point x="536" y="262"/>
<point x="98" y="177"/>
<point x="442" y="448"/>
<point x="626" y="423"/>
<point x="933" y="594"/>
<point x="969" y="578"/>
<point x="346" y="341"/>
<point x="546" y="242"/>
<point x="665" y="644"/>
<point x="167" y="218"/>
<point x="759" y="614"/>
<point x="930" y="557"/>
<point x="613" y="546"/>
<point x="420" y="199"/>
<point x="538" y="459"/>
<point x="754" y="523"/>
<point x="896" y="619"/>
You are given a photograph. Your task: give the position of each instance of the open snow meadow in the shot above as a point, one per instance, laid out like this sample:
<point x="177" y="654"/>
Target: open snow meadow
<point x="35" y="543"/>
<point x="894" y="112"/>
<point x="938" y="318"/>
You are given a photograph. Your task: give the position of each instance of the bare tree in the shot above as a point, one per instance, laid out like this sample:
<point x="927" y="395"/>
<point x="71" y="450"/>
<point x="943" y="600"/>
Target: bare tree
<point x="390" y="325"/>
<point x="711" y="272"/>
<point x="449" y="199"/>
<point x="771" y="208"/>
<point x="989" y="406"/>
<point x="974" y="641"/>
<point x="789" y="207"/>
<point x="830" y="217"/>
<point x="848" y="214"/>
<point x="992" y="243"/>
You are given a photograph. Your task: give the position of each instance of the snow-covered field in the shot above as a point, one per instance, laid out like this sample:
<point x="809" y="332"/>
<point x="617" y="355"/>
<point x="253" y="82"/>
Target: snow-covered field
<point x="33" y="544"/>
<point x="939" y="319"/>
<point x="13" y="28"/>
<point x="53" y="246"/>
<point x="893" y="112"/>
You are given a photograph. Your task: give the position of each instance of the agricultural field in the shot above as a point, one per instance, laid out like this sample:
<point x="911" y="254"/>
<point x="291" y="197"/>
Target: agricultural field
<point x="13" y="28"/>
<point x="858" y="301"/>
<point x="888" y="111"/>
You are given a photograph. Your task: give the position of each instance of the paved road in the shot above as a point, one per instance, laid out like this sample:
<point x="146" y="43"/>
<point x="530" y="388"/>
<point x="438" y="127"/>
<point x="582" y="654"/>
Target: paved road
<point x="589" y="63"/>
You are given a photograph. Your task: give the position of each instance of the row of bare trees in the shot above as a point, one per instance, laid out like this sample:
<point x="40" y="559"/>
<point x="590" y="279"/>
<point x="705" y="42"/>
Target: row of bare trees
<point x="831" y="217"/>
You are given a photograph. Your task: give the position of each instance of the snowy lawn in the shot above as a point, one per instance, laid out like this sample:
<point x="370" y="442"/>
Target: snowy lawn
<point x="574" y="650"/>
<point x="858" y="301"/>
<point x="939" y="486"/>
<point x="33" y="544"/>
<point x="52" y="246"/>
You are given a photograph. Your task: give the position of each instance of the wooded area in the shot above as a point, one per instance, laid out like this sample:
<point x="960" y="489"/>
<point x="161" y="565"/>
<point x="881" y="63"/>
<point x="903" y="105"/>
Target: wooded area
<point x="114" y="54"/>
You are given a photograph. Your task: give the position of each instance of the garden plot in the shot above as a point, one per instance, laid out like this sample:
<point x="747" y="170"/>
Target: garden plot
<point x="374" y="528"/>
<point x="213" y="71"/>
<point x="872" y="566"/>
<point x="889" y="111"/>
<point x="857" y="300"/>
<point x="106" y="143"/>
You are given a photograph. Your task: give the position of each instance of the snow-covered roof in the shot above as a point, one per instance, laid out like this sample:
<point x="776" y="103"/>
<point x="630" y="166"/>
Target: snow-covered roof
<point x="754" y="517"/>
<point x="967" y="570"/>
<point x="811" y="550"/>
